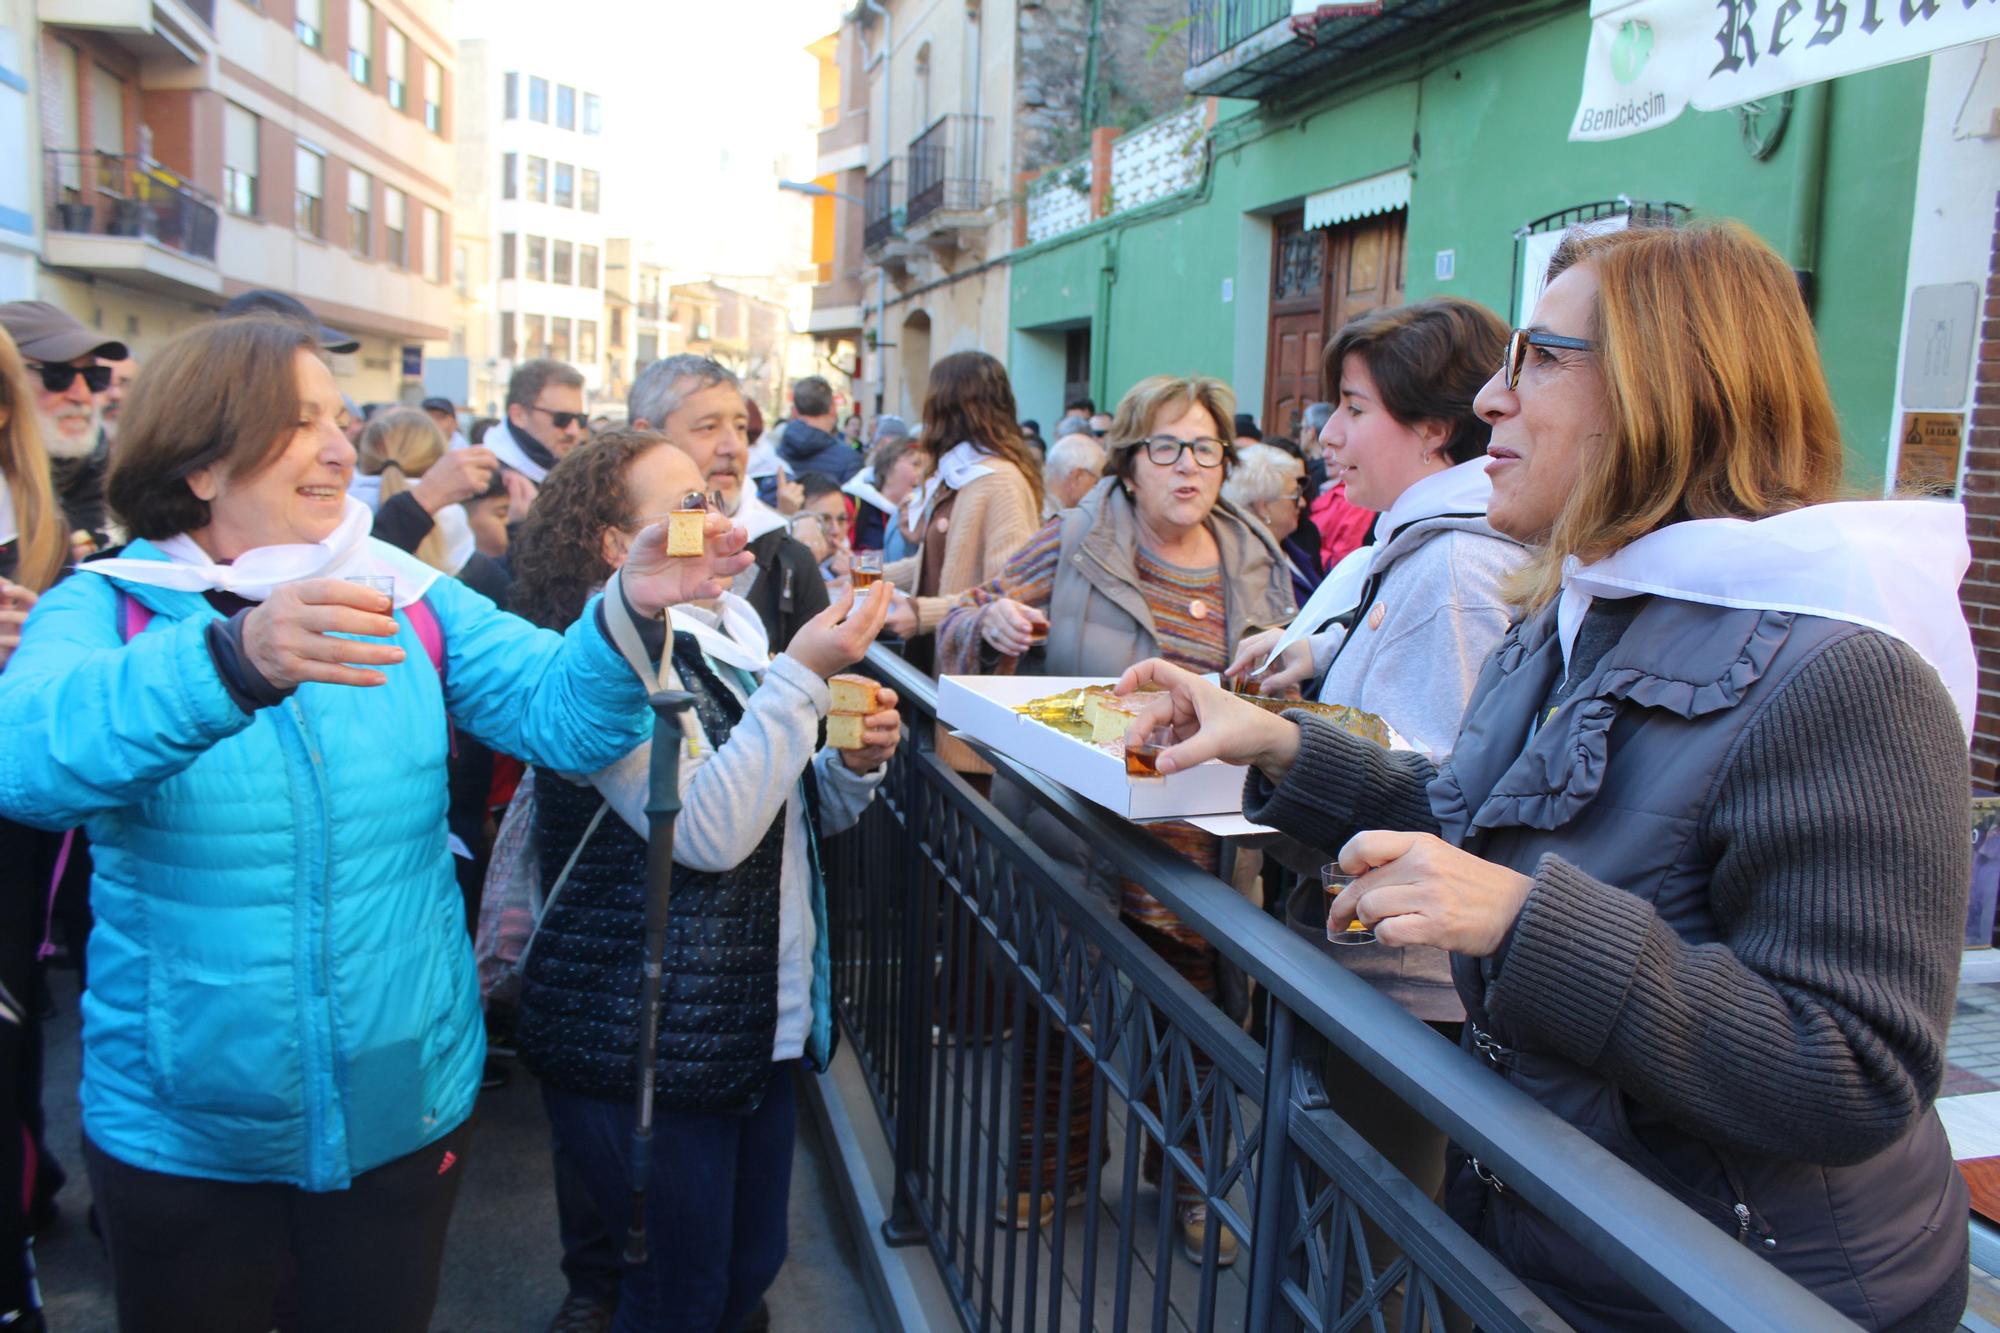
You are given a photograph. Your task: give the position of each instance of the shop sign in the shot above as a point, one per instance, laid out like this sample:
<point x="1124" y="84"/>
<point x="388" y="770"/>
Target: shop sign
<point x="1927" y="458"/>
<point x="1650" y="60"/>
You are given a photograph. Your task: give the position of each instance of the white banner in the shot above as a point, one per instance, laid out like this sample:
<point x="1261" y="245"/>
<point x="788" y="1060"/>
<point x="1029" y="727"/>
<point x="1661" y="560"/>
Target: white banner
<point x="1650" y="60"/>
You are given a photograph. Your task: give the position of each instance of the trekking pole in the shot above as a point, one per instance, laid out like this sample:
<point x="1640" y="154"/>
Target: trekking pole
<point x="663" y="803"/>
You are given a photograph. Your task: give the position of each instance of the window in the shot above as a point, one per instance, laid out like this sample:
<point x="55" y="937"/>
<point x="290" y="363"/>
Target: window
<point x="360" y="220"/>
<point x="508" y="185"/>
<point x="586" y="266"/>
<point x="396" y="64"/>
<point x="433" y="245"/>
<point x="507" y="334"/>
<point x="308" y="21"/>
<point x="562" y="263"/>
<point x="565" y="185"/>
<point x="433" y="96"/>
<point x="537" y="267"/>
<point x="538" y="179"/>
<point x="593" y="114"/>
<point x="565" y="107"/>
<point x="510" y="97"/>
<point x="533" y="343"/>
<point x="461" y="277"/>
<point x="617" y="326"/>
<point x="308" y="191"/>
<point x="107" y="112"/>
<point x="242" y="141"/>
<point x="360" y="41"/>
<point x="559" y="337"/>
<point x="648" y="349"/>
<point x="395" y="218"/>
<point x="589" y="200"/>
<point x="538" y="99"/>
<point x="586" y="341"/>
<point x="506" y="254"/>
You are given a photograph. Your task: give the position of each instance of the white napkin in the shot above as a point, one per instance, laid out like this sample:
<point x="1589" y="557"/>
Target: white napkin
<point x="254" y="575"/>
<point x="1891" y="565"/>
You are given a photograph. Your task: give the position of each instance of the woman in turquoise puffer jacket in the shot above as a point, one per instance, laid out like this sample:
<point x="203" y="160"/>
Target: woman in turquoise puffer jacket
<point x="282" y="1040"/>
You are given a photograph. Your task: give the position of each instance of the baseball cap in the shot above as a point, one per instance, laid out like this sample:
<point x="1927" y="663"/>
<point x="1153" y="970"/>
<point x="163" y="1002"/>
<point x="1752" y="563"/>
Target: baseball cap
<point x="48" y="334"/>
<point x="444" y="405"/>
<point x="267" y="301"/>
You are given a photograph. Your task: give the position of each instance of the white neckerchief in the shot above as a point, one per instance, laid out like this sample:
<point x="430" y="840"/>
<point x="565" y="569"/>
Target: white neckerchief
<point x="754" y="516"/>
<point x="459" y="543"/>
<point x="255" y="574"/>
<point x="10" y="528"/>
<point x="920" y="499"/>
<point x="732" y="632"/>
<point x="500" y="439"/>
<point x="1891" y="565"/>
<point x="963" y="464"/>
<point x="862" y="487"/>
<point x="1462" y="489"/>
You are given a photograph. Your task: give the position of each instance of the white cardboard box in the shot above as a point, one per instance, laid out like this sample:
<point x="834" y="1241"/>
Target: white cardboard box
<point x="982" y="707"/>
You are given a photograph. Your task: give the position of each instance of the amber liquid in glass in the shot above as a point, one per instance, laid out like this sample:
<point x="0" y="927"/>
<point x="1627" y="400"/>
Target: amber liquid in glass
<point x="1142" y="761"/>
<point x="864" y="579"/>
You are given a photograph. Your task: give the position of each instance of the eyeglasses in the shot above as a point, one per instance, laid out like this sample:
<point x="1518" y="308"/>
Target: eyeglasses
<point x="58" y="378"/>
<point x="560" y="420"/>
<point x="1166" y="450"/>
<point x="1520" y="340"/>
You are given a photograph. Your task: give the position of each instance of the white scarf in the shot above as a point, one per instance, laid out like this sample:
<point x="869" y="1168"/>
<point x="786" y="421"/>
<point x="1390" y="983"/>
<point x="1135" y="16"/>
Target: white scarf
<point x="500" y="439"/>
<point x="1890" y="565"/>
<point x="963" y="464"/>
<point x="920" y="499"/>
<point x="754" y="516"/>
<point x="1462" y="489"/>
<point x="459" y="543"/>
<point x="255" y="574"/>
<point x="732" y="632"/>
<point x="862" y="487"/>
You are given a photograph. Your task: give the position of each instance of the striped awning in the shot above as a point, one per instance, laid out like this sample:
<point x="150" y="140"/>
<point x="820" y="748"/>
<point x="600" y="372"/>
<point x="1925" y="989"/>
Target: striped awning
<point x="1359" y="199"/>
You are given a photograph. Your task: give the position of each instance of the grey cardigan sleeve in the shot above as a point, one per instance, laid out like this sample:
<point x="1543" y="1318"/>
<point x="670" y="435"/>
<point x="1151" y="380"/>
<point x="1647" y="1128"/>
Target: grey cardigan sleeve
<point x="1814" y="1028"/>
<point x="1339" y="785"/>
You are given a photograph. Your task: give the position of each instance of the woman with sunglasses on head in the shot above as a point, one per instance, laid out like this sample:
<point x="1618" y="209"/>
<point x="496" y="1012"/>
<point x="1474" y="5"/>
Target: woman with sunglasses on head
<point x="1699" y="853"/>
<point x="1153" y="562"/>
<point x="250" y="710"/>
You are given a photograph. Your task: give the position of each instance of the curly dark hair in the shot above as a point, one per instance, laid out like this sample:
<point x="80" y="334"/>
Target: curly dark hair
<point x="558" y="552"/>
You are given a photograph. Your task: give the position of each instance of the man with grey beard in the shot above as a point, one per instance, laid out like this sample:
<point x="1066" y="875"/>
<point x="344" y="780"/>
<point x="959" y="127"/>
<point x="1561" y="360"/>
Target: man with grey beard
<point x="67" y="371"/>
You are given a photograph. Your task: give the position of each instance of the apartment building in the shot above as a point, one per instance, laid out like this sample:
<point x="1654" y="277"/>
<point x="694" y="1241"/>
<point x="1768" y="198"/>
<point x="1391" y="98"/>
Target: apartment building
<point x="194" y="149"/>
<point x="538" y="177"/>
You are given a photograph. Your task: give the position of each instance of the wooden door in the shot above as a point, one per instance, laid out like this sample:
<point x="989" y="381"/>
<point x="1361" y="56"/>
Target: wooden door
<point x="1298" y="323"/>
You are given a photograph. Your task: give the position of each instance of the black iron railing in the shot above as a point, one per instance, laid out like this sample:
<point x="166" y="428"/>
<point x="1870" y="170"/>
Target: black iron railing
<point x="1017" y="1039"/>
<point x="1216" y="25"/>
<point x="945" y="162"/>
<point x="880" y="220"/>
<point x="104" y="194"/>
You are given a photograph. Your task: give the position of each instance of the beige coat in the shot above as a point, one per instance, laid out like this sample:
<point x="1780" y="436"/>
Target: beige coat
<point x="993" y="518"/>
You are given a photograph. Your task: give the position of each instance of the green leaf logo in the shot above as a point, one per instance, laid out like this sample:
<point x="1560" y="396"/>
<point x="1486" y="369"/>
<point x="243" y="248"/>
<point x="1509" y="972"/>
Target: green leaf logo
<point x="1630" y="49"/>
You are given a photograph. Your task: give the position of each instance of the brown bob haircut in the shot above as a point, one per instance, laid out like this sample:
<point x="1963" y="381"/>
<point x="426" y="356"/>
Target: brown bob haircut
<point x="225" y="394"/>
<point x="1153" y="397"/>
<point x="1716" y="405"/>
<point x="1429" y="360"/>
<point x="971" y="398"/>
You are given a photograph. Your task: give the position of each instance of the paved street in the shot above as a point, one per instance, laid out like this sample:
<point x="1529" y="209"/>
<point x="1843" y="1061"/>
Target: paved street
<point x="500" y="1271"/>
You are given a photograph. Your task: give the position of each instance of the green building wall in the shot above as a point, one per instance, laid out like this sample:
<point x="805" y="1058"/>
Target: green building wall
<point x="1483" y="132"/>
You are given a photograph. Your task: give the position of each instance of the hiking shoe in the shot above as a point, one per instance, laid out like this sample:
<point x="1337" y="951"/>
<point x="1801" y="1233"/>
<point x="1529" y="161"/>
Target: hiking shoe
<point x="581" y="1314"/>
<point x="1194" y="1236"/>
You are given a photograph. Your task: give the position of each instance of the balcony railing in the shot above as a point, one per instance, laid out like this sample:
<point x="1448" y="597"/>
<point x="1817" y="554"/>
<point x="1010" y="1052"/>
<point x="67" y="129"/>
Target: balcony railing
<point x="649" y="309"/>
<point x="945" y="168"/>
<point x="104" y="194"/>
<point x="1014" y="1037"/>
<point x="880" y="219"/>
<point x="1216" y="25"/>
<point x="1255" y="48"/>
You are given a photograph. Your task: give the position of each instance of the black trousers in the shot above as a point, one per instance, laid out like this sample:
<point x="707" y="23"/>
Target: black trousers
<point x="190" y="1253"/>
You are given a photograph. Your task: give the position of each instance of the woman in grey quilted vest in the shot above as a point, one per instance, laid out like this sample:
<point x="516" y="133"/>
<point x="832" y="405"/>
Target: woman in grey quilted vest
<point x="1699" y="852"/>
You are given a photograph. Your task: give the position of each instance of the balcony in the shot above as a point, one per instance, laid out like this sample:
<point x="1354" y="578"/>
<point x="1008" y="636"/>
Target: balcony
<point x="881" y="223"/>
<point x="648" y="310"/>
<point x="948" y="196"/>
<point x="129" y="219"/>
<point x="175" y="32"/>
<point x="1257" y="49"/>
<point x="843" y="145"/>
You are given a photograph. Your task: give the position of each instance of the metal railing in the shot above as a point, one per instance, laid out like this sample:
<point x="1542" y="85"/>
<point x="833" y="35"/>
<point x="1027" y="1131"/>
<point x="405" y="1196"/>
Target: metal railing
<point x="1017" y="1039"/>
<point x="1216" y="25"/>
<point x="945" y="168"/>
<point x="880" y="220"/>
<point x="105" y="194"/>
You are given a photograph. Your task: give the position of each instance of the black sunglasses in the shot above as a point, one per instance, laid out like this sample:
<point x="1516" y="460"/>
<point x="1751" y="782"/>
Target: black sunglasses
<point x="1520" y="340"/>
<point x="58" y="378"/>
<point x="561" y="420"/>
